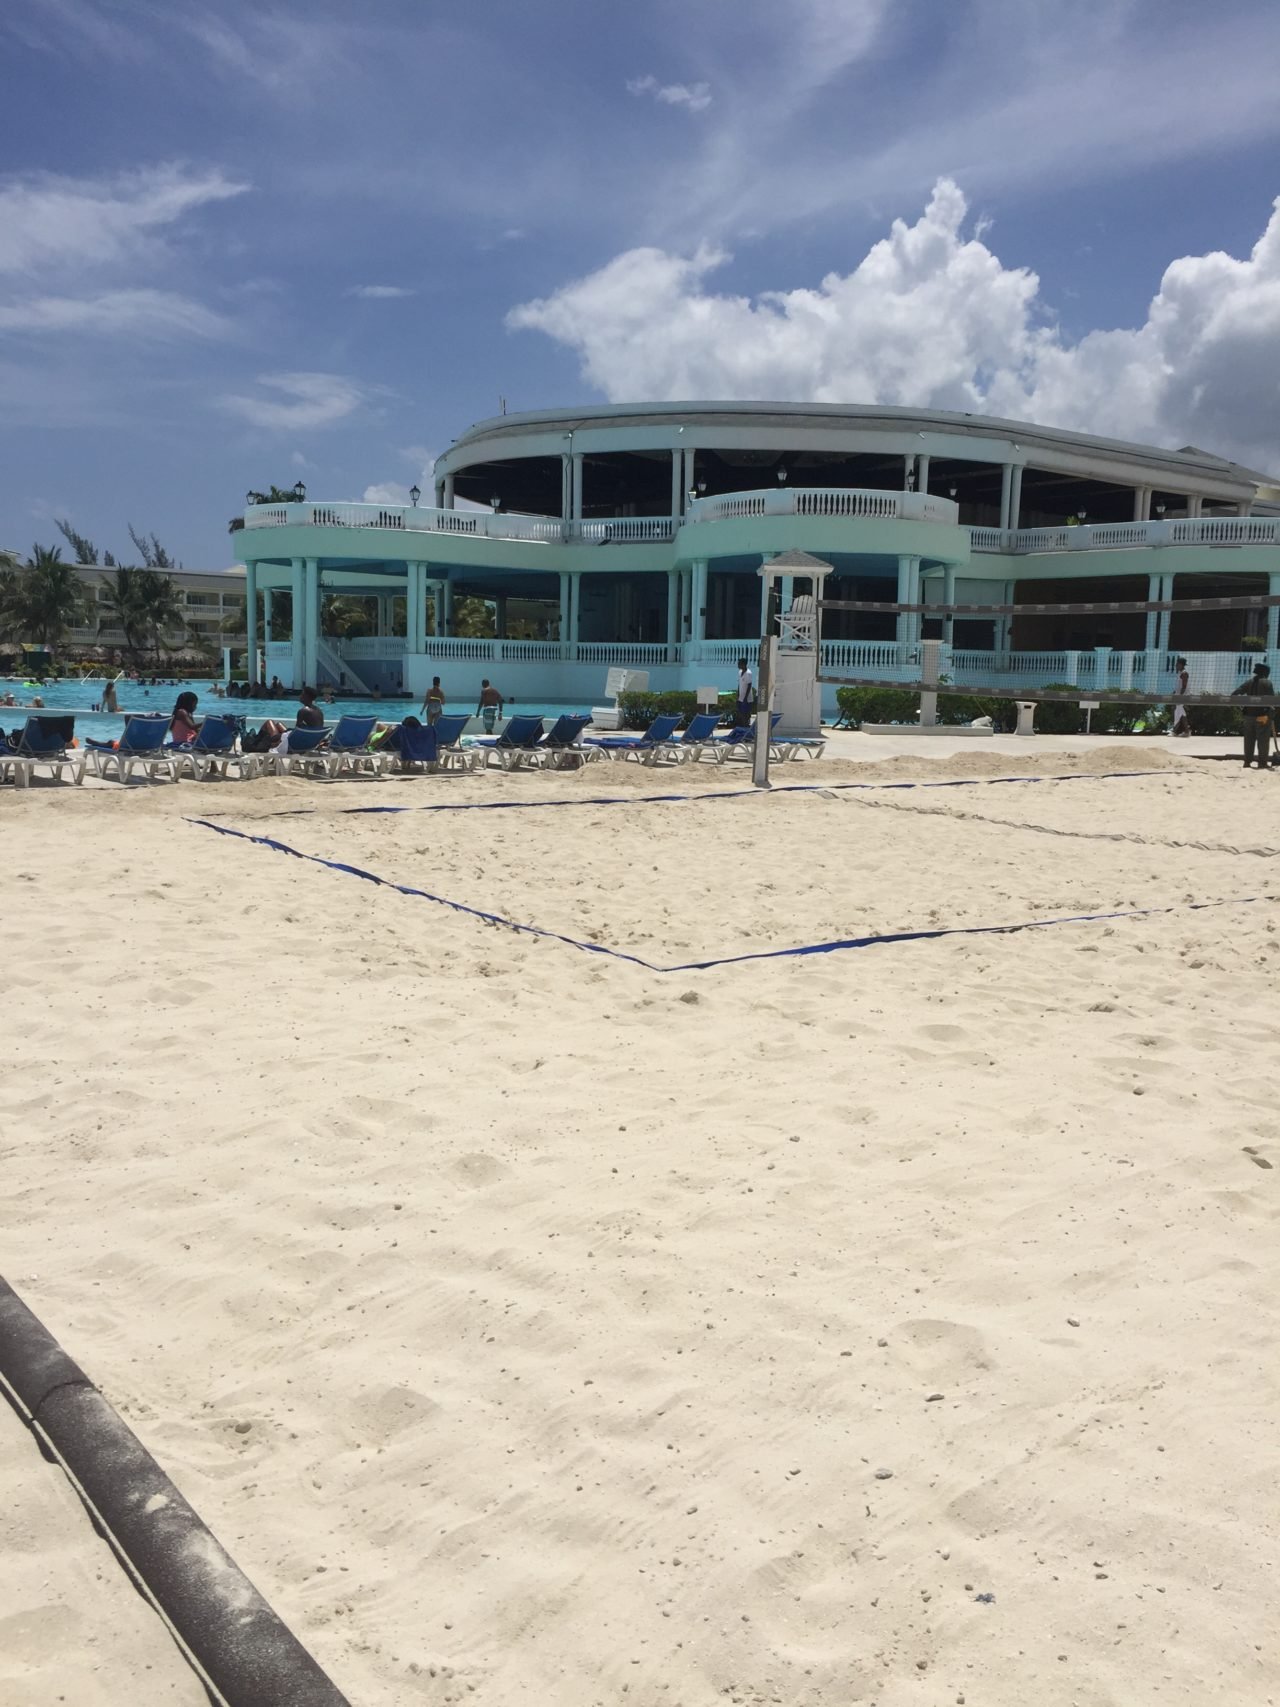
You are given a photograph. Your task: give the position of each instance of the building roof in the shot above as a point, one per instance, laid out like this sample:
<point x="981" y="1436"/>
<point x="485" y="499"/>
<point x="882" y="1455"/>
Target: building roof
<point x="1027" y="435"/>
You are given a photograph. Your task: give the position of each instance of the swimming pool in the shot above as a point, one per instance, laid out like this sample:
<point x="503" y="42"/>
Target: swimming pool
<point x="81" y="696"/>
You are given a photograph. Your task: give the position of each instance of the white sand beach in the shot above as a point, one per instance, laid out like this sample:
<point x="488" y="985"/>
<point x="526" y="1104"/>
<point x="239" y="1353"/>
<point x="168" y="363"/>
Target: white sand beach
<point x="891" y="1325"/>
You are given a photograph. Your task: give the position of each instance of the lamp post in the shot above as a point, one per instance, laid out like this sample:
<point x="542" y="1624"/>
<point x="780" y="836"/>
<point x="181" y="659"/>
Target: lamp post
<point x="782" y="474"/>
<point x="495" y="503"/>
<point x="251" y="497"/>
<point x="1160" y="512"/>
<point x="415" y="492"/>
<point x="299" y="493"/>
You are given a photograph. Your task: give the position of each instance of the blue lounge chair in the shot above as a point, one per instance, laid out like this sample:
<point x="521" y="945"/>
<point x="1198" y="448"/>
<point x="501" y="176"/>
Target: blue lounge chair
<point x="784" y="747"/>
<point x="213" y="751"/>
<point x="348" y="749"/>
<point x="693" y="739"/>
<point x="739" y="743"/>
<point x="561" y="746"/>
<point x="515" y="745"/>
<point x="302" y="745"/>
<point x="408" y="749"/>
<point x="141" y="747"/>
<point x="43" y="741"/>
<point x="452" y="754"/>
<point x="656" y="740"/>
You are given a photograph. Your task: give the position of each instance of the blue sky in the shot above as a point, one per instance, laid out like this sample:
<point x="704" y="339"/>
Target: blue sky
<point x="242" y="243"/>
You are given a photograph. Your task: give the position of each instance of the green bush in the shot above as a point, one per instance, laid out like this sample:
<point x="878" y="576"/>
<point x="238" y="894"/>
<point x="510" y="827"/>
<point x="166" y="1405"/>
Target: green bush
<point x="640" y="709"/>
<point x="900" y="705"/>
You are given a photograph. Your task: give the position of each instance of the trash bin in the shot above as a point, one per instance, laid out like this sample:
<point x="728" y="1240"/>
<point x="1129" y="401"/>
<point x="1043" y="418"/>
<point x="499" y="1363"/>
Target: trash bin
<point x="1026" y="717"/>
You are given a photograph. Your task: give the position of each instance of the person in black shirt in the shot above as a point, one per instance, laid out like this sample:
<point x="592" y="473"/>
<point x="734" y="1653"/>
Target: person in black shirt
<point x="1257" y="719"/>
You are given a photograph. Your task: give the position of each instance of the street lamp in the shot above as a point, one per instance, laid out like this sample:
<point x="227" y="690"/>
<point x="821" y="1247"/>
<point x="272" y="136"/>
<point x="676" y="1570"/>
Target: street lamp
<point x="951" y="490"/>
<point x="1160" y="511"/>
<point x="782" y="474"/>
<point x="415" y="492"/>
<point x="251" y="497"/>
<point x="911" y="480"/>
<point x="299" y="493"/>
<point x="1084" y="516"/>
<point x="495" y="503"/>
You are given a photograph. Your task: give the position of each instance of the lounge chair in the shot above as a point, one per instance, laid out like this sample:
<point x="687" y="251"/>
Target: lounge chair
<point x="452" y="755"/>
<point x="693" y="739"/>
<point x="739" y="743"/>
<point x="413" y="749"/>
<point x="561" y="747"/>
<point x="13" y="768"/>
<point x="213" y="752"/>
<point x="348" y="749"/>
<point x="141" y="747"/>
<point x="784" y="747"/>
<point x="516" y="744"/>
<point x="655" y="741"/>
<point x="301" y="747"/>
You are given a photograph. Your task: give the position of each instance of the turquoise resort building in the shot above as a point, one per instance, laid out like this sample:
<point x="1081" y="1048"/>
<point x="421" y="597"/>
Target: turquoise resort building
<point x="632" y="535"/>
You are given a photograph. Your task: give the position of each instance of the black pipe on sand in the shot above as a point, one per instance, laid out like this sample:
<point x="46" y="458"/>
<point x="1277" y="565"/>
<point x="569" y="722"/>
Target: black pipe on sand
<point x="245" y="1654"/>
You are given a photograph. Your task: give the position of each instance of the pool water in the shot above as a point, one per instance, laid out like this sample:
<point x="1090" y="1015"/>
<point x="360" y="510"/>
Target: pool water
<point x="81" y="696"/>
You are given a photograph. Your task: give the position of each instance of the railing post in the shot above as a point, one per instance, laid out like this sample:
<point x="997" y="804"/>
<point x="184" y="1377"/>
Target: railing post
<point x="1072" y="670"/>
<point x="1101" y="667"/>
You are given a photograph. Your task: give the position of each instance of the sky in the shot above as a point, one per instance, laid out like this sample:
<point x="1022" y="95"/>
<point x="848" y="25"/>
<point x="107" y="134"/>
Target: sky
<point x="251" y="243"/>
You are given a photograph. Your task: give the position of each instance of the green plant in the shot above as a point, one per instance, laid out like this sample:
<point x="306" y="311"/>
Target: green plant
<point x="1060" y="717"/>
<point x="640" y="709"/>
<point x="50" y="596"/>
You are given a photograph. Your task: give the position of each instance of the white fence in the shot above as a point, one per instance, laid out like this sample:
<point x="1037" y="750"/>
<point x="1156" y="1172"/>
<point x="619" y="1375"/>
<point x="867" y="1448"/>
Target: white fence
<point x="837" y="501"/>
<point x="1122" y="536"/>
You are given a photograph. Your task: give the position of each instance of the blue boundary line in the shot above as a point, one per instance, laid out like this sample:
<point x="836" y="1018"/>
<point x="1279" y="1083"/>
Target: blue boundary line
<point x="714" y="794"/>
<point x="840" y="943"/>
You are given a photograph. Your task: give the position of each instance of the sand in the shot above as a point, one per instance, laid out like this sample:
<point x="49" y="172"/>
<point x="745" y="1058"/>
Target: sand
<point x="690" y="1337"/>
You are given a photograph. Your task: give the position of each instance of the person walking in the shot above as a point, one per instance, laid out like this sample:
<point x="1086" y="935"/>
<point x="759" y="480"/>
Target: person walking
<point x="1181" y="722"/>
<point x="433" y="702"/>
<point x="745" y="696"/>
<point x="489" y="706"/>
<point x="1258" y="719"/>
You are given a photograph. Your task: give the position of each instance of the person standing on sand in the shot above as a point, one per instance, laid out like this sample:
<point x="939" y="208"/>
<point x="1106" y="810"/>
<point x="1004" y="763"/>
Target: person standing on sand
<point x="490" y="705"/>
<point x="1258" y="719"/>
<point x="746" y="691"/>
<point x="1181" y="722"/>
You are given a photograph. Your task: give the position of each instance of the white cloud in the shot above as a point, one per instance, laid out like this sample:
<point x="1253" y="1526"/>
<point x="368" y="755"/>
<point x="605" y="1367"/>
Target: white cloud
<point x="379" y="293"/>
<point x="930" y="317"/>
<point x="393" y="492"/>
<point x="695" y="96"/>
<point x="151" y="314"/>
<point x="47" y="220"/>
<point x="303" y="400"/>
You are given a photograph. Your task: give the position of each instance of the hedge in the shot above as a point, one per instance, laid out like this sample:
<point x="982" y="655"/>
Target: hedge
<point x="900" y="705"/>
<point x="640" y="709"/>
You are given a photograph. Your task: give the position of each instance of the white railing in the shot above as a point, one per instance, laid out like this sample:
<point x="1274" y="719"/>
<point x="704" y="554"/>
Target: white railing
<point x="833" y="501"/>
<point x="873" y="656"/>
<point x="1122" y="536"/>
<point x="474" y="524"/>
<point x="620" y="652"/>
<point x="372" y="647"/>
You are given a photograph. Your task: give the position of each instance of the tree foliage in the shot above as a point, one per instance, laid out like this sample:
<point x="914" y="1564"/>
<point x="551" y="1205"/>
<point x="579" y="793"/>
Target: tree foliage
<point x="151" y="551"/>
<point x="46" y="596"/>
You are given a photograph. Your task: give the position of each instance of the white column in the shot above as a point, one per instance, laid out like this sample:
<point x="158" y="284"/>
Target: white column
<point x="1005" y="625"/>
<point x="767" y="557"/>
<point x="267" y="614"/>
<point x="566" y="594"/>
<point x="673" y="611"/>
<point x="1015" y="497"/>
<point x="445" y="616"/>
<point x="903" y="631"/>
<point x="1166" y="617"/>
<point x="1273" y="617"/>
<point x="576" y="511"/>
<point x="1154" y="585"/>
<point x="908" y="468"/>
<point x="1142" y="503"/>
<point x="575" y="611"/>
<point x="448" y="492"/>
<point x="677" y="495"/>
<point x="1006" y="487"/>
<point x="500" y="616"/>
<point x="948" y="598"/>
<point x="689" y="473"/>
<point x="310" y="620"/>
<point x="439" y="494"/>
<point x="1193" y="506"/>
<point x="251" y="617"/>
<point x="566" y="486"/>
<point x="297" y="584"/>
<point x="698" y="632"/>
<point x="922" y="477"/>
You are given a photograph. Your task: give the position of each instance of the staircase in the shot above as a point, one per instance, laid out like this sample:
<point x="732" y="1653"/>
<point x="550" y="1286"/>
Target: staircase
<point x="331" y="666"/>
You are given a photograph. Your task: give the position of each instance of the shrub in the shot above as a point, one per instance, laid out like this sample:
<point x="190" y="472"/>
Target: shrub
<point x="900" y="705"/>
<point x="640" y="709"/>
<point x="1058" y="717"/>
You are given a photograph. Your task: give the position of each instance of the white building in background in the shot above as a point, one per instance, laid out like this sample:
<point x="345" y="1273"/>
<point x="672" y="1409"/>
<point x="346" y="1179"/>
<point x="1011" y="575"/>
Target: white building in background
<point x="632" y="535"/>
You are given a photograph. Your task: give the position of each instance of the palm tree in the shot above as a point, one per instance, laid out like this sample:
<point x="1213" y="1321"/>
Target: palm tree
<point x="12" y="603"/>
<point x="123" y="608"/>
<point x="347" y="618"/>
<point x="159" y="608"/>
<point x="52" y="596"/>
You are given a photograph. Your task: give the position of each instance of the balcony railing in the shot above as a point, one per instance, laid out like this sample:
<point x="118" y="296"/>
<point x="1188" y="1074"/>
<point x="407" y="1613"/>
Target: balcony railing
<point x="835" y="501"/>
<point x="1217" y="531"/>
<point x="474" y="524"/>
